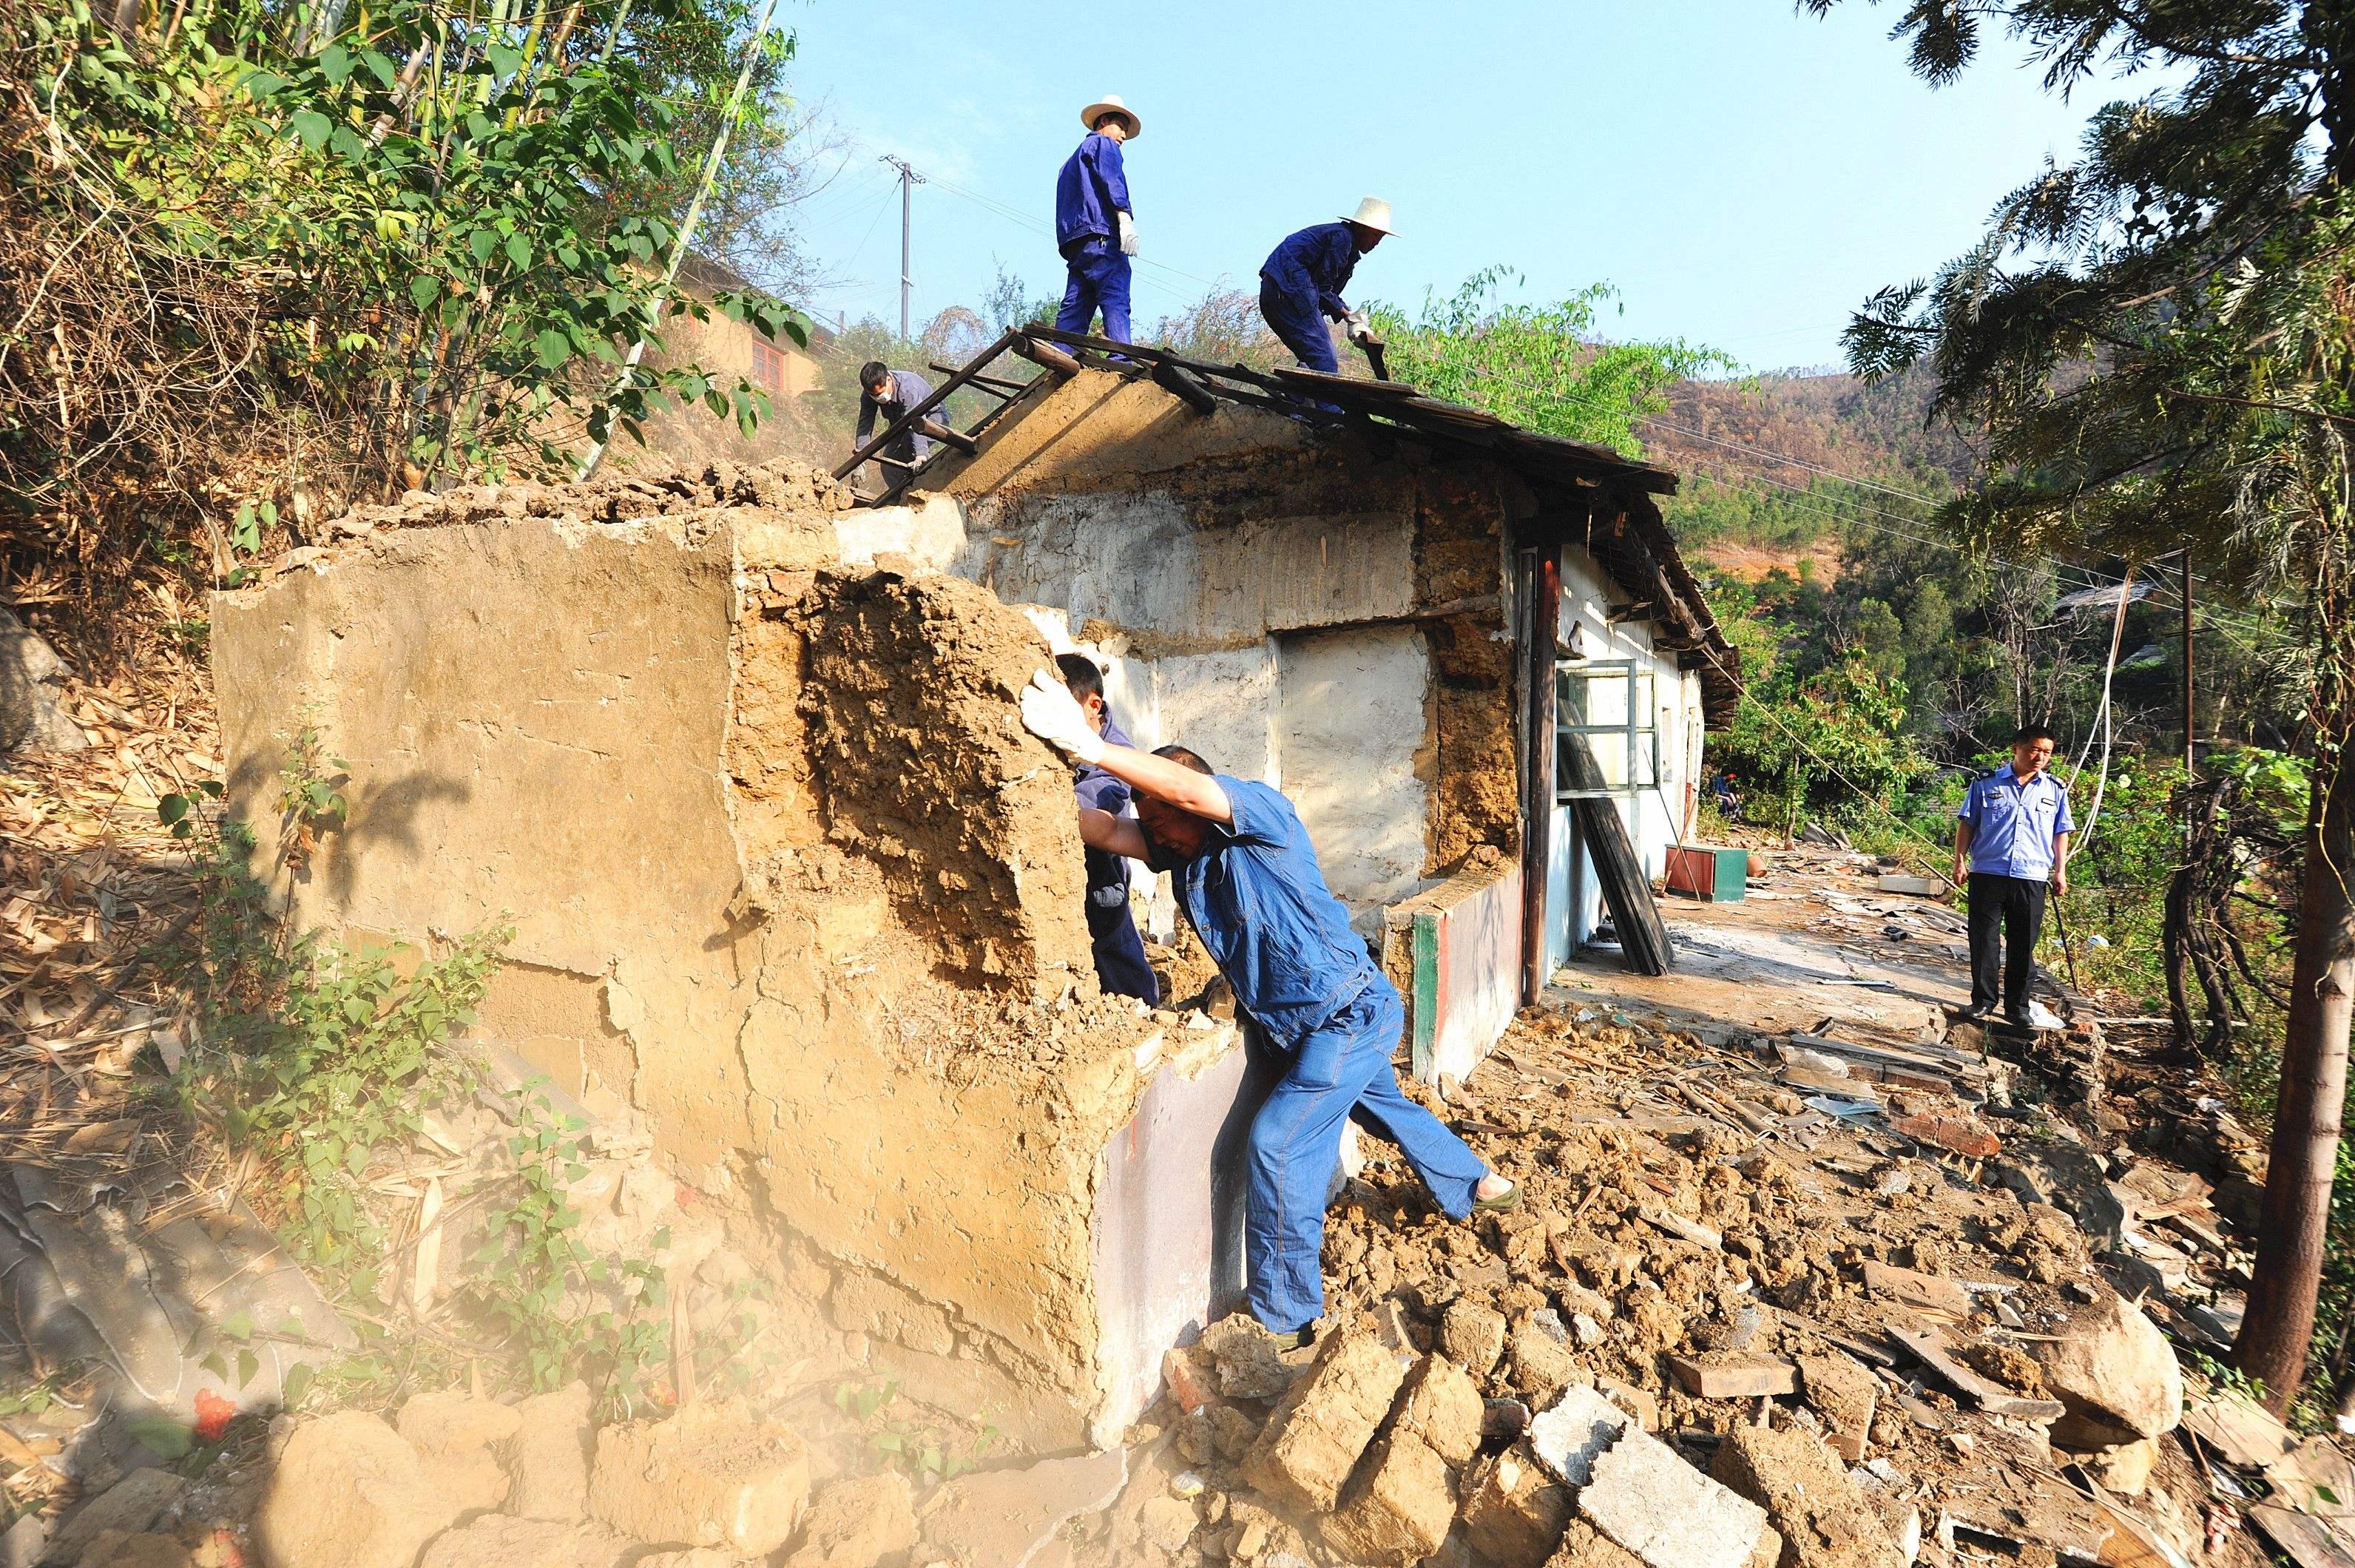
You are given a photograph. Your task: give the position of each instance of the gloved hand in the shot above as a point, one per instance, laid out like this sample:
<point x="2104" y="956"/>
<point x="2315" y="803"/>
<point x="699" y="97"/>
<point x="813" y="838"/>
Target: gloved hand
<point x="1360" y="325"/>
<point x="1127" y="235"/>
<point x="1050" y="712"/>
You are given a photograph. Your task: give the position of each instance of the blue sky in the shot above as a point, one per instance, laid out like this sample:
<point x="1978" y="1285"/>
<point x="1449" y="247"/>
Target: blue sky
<point x="1743" y="175"/>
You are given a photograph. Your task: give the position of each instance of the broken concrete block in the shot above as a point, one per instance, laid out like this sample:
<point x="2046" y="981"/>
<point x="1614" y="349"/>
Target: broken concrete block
<point x="1647" y="1499"/>
<point x="1513" y="1511"/>
<point x="710" y="1476"/>
<point x="1733" y="1374"/>
<point x="1005" y="1516"/>
<point x="453" y="1423"/>
<point x="1584" y="1546"/>
<point x="2116" y="1374"/>
<point x="1398" y="1505"/>
<point x="856" y="1523"/>
<point x="502" y="1541"/>
<point x="1167" y="1522"/>
<point x="1251" y="1362"/>
<point x="1839" y="1388"/>
<point x="1317" y="1432"/>
<point x="1541" y="1362"/>
<point x="126" y="1507"/>
<point x="347" y="1492"/>
<point x="1472" y="1335"/>
<point x="1441" y="1405"/>
<point x="547" y="1455"/>
<point x="862" y="1303"/>
<point x="1567" y="1437"/>
<point x="1807" y="1497"/>
<point x="1233" y="1432"/>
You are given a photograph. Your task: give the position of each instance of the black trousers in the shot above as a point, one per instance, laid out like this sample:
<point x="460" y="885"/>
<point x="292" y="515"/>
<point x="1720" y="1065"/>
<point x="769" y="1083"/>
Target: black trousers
<point x="2009" y="911"/>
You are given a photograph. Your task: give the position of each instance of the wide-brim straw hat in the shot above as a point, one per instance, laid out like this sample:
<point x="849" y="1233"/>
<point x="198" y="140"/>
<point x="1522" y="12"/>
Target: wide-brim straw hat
<point x="1109" y="104"/>
<point x="1374" y="213"/>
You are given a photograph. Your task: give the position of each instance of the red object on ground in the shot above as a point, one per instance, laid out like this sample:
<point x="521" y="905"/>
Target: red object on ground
<point x="213" y="1415"/>
<point x="1961" y="1137"/>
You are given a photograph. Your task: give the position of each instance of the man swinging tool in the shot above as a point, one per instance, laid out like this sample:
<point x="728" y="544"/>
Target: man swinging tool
<point x="1095" y="227"/>
<point x="1300" y="286"/>
<point x="1246" y="876"/>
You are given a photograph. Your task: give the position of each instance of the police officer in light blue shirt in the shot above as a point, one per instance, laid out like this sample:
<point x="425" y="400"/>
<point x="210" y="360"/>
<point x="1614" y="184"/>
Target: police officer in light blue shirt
<point x="2011" y="837"/>
<point x="1246" y="876"/>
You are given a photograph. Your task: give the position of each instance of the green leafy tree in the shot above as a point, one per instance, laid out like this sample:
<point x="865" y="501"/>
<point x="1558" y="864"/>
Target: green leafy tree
<point x="2158" y="342"/>
<point x="1540" y="365"/>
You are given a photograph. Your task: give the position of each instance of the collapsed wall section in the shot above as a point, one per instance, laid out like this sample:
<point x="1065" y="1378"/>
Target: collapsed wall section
<point x="791" y="885"/>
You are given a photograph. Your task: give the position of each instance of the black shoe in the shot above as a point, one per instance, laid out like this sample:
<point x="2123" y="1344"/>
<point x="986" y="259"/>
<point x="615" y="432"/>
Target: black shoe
<point x="1974" y="1014"/>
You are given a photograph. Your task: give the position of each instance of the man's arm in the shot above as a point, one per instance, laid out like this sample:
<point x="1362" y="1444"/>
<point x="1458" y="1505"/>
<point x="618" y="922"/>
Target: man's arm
<point x="1103" y="830"/>
<point x="1113" y="174"/>
<point x="1291" y="278"/>
<point x="1961" y="849"/>
<point x="2061" y="862"/>
<point x="1338" y="251"/>
<point x="1162" y="779"/>
<point x="866" y="418"/>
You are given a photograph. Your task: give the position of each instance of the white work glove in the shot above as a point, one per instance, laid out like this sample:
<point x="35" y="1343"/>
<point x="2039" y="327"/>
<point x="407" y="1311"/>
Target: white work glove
<point x="1128" y="234"/>
<point x="1050" y="712"/>
<point x="1360" y="326"/>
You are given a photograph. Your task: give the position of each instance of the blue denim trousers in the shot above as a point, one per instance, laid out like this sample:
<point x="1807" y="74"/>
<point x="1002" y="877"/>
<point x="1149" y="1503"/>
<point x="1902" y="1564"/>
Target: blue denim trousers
<point x="1341" y="1073"/>
<point x="1099" y="277"/>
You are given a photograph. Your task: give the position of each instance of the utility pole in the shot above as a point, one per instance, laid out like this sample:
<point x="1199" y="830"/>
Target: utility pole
<point x="909" y="180"/>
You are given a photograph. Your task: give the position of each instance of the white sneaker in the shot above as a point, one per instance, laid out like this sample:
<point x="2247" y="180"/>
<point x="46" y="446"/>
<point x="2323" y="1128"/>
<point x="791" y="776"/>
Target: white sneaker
<point x="2040" y="1017"/>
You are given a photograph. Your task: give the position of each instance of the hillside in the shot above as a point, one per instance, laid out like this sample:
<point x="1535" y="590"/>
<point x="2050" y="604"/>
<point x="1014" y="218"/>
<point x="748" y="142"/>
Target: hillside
<point x="1766" y="463"/>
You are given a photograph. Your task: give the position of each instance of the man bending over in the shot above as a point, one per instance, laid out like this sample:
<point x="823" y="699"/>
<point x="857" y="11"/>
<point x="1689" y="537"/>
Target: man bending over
<point x="1247" y="878"/>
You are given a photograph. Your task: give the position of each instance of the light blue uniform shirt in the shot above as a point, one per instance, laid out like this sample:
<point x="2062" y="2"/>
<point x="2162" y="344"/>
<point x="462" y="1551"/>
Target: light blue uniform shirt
<point x="2012" y="824"/>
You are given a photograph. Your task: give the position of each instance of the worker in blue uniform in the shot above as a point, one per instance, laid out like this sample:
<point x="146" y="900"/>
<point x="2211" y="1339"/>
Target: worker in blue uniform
<point x="1095" y="227"/>
<point x="1121" y="967"/>
<point x="1246" y="875"/>
<point x="1300" y="285"/>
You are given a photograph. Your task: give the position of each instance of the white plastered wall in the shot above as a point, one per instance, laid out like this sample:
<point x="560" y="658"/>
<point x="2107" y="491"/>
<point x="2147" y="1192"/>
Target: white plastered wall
<point x="1350" y="726"/>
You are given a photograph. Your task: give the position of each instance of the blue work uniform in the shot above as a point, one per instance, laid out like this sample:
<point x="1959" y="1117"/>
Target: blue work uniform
<point x="907" y="390"/>
<point x="2013" y="824"/>
<point x="1300" y="289"/>
<point x="1090" y="194"/>
<point x="1257" y="897"/>
<point x="1121" y="967"/>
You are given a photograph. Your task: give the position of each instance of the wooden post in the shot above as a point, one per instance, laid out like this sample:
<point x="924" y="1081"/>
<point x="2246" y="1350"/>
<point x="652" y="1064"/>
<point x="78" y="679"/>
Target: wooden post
<point x="1540" y="574"/>
<point x="2191" y="701"/>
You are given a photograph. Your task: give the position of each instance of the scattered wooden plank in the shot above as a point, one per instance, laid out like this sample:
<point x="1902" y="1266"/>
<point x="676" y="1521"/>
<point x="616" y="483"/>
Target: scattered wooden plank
<point x="1923" y="1292"/>
<point x="1862" y="1349"/>
<point x="2304" y="1539"/>
<point x="1930" y="1349"/>
<point x="1951" y="1134"/>
<point x="1733" y="1374"/>
<point x="1691" y="1231"/>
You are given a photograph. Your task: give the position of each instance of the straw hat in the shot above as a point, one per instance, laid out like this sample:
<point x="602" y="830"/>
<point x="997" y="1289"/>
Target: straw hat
<point x="1374" y="213"/>
<point x="1109" y="104"/>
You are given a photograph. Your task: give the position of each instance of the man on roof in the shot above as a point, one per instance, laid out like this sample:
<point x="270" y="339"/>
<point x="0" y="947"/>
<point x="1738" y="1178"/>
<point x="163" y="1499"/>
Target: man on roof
<point x="1095" y="227"/>
<point x="1300" y="285"/>
<point x="1246" y="875"/>
<point x="887" y="394"/>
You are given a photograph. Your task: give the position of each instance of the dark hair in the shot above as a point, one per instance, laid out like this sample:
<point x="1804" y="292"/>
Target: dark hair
<point x="1080" y="673"/>
<point x="1109" y="114"/>
<point x="1180" y="754"/>
<point x="874" y="370"/>
<point x="2028" y="732"/>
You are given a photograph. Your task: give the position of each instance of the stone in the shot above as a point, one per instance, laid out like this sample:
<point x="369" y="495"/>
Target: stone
<point x="1543" y="1363"/>
<point x="710" y="1476"/>
<point x="127" y="1508"/>
<point x="502" y="1541"/>
<point x="2114" y="1372"/>
<point x="863" y="1304"/>
<point x="1167" y="1522"/>
<point x="1250" y="1361"/>
<point x="1807" y="1497"/>
<point x="2125" y="1469"/>
<point x="1513" y="1511"/>
<point x="120" y="1549"/>
<point x="347" y="1492"/>
<point x="1733" y="1374"/>
<point x="32" y="679"/>
<point x="453" y="1423"/>
<point x="1397" y="1508"/>
<point x="1670" y="1515"/>
<point x="22" y="1544"/>
<point x="1439" y="1403"/>
<point x="1584" y="1546"/>
<point x="1838" y="1387"/>
<point x="1006" y="1515"/>
<point x="1472" y="1335"/>
<point x="1323" y="1422"/>
<point x="547" y="1455"/>
<point x="1233" y="1432"/>
<point x="856" y="1523"/>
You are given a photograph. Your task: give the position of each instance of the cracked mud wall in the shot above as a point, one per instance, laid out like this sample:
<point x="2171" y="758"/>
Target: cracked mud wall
<point x="790" y="883"/>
